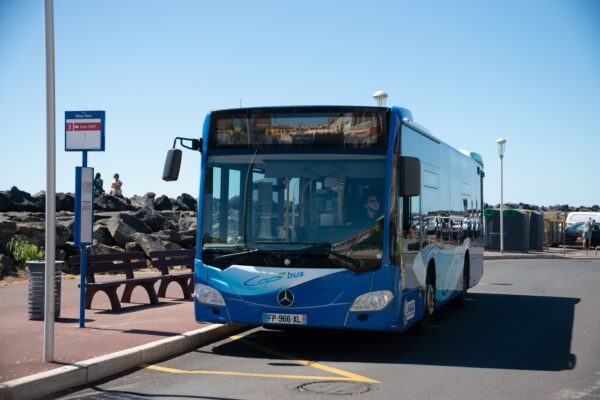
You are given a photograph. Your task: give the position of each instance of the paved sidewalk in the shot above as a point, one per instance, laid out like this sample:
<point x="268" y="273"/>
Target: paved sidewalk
<point x="109" y="344"/>
<point x="22" y="340"/>
<point x="571" y="252"/>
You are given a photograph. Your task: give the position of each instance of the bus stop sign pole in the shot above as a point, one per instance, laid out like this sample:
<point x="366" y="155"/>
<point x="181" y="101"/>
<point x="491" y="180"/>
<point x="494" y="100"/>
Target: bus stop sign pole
<point x="84" y="198"/>
<point x="84" y="131"/>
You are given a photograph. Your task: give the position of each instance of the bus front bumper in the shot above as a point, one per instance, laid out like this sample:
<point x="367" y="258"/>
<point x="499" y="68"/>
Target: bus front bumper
<point x="334" y="316"/>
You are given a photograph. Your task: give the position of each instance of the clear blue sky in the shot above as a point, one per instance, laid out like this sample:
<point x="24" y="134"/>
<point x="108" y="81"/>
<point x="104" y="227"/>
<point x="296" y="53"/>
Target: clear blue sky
<point x="470" y="71"/>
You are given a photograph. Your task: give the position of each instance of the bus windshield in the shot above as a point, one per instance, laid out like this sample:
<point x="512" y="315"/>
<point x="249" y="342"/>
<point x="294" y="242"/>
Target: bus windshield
<point x="290" y="209"/>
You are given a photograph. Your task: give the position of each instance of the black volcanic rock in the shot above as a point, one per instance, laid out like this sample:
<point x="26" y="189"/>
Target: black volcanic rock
<point x="149" y="243"/>
<point x="19" y="196"/>
<point x="142" y="223"/>
<point x="186" y="223"/>
<point x="65" y="202"/>
<point x="7" y="229"/>
<point x="168" y="235"/>
<point x="189" y="201"/>
<point x="101" y="234"/>
<point x="4" y="202"/>
<point x="145" y="201"/>
<point x="154" y="220"/>
<point x="163" y="203"/>
<point x="179" y="206"/>
<point x="35" y="232"/>
<point x="124" y="226"/>
<point x="22" y="201"/>
<point x="7" y="266"/>
<point x="106" y="202"/>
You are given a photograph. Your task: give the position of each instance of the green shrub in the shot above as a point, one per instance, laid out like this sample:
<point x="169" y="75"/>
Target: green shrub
<point x="22" y="251"/>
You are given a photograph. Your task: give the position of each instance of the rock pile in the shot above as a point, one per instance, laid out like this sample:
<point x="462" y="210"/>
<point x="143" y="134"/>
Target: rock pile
<point x="145" y="223"/>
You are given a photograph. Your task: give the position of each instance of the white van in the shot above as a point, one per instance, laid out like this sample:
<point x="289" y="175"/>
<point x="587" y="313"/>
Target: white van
<point x="582" y="216"/>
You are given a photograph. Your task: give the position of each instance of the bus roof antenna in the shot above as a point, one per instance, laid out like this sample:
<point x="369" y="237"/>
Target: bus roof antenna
<point x="380" y="98"/>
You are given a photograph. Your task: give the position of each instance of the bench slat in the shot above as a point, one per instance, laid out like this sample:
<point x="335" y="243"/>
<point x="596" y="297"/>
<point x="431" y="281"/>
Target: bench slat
<point x="173" y="262"/>
<point x="133" y="255"/>
<point x="109" y="266"/>
<point x="173" y="253"/>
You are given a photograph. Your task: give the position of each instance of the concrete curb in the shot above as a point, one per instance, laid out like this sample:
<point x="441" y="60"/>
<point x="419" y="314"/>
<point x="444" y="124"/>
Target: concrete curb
<point x="88" y="371"/>
<point x="537" y="257"/>
<point x="525" y="257"/>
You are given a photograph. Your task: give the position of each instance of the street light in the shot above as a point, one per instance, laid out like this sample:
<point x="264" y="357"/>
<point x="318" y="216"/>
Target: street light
<point x="501" y="145"/>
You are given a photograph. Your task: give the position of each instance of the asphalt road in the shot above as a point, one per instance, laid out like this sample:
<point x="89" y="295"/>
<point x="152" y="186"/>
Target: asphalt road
<point x="529" y="330"/>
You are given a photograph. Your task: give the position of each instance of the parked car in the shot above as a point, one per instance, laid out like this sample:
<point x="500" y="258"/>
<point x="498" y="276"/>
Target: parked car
<point x="573" y="234"/>
<point x="581" y="216"/>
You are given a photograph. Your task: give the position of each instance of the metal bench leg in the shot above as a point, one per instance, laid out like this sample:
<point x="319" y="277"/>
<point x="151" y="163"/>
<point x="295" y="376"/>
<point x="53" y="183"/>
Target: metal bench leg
<point x="185" y="288"/>
<point x="89" y="295"/>
<point x="114" y="298"/>
<point x="126" y="297"/>
<point x="151" y="292"/>
<point x="162" y="289"/>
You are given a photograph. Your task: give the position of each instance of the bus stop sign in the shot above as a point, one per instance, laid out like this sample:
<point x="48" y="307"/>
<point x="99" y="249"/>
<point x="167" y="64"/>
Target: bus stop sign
<point x="84" y="130"/>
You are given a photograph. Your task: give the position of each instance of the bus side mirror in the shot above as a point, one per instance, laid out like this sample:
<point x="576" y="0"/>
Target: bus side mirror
<point x="410" y="176"/>
<point x="172" y="165"/>
<point x="173" y="161"/>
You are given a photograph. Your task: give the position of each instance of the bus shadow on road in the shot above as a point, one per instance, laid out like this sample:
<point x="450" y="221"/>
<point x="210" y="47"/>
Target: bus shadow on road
<point x="502" y="331"/>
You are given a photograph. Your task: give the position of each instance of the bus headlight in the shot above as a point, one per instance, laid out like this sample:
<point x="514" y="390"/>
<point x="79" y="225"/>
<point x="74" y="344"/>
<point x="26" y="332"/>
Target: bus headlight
<point x="207" y="295"/>
<point x="372" y="301"/>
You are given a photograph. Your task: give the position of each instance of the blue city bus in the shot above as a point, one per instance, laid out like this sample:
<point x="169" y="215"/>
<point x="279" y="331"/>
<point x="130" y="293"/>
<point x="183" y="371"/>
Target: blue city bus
<point x="332" y="217"/>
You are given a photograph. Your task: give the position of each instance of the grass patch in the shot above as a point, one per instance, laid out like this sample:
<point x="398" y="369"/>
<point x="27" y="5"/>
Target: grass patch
<point x="22" y="251"/>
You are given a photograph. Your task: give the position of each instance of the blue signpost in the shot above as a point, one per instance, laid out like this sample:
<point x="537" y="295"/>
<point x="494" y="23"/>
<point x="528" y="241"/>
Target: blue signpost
<point x="84" y="131"/>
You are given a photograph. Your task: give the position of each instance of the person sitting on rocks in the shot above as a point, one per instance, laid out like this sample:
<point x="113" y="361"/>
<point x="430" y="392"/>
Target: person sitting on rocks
<point x="115" y="186"/>
<point x="98" y="183"/>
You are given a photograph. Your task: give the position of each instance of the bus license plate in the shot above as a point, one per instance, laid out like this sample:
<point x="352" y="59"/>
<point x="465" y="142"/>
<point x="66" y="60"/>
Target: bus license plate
<point x="290" y="319"/>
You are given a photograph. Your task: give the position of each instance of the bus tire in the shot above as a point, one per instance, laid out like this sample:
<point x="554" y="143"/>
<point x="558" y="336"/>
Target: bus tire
<point x="460" y="299"/>
<point x="428" y="300"/>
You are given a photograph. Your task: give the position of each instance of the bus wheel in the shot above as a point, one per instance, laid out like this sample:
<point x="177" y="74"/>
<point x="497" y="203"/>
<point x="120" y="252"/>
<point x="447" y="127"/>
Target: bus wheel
<point x="428" y="304"/>
<point x="429" y="301"/>
<point x="460" y="299"/>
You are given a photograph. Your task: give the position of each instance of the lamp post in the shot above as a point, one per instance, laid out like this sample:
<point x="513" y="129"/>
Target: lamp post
<point x="50" y="238"/>
<point x="501" y="145"/>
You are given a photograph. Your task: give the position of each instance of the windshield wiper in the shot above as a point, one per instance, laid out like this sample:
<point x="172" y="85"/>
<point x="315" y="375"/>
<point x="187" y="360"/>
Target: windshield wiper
<point x="350" y="260"/>
<point x="322" y="246"/>
<point x="233" y="255"/>
<point x="352" y="264"/>
<point x="326" y="247"/>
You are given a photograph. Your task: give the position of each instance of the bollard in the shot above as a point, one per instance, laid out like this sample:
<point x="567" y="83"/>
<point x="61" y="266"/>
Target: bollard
<point x="36" y="286"/>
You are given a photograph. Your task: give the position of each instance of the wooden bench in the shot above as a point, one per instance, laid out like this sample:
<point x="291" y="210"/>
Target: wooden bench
<point x="164" y="260"/>
<point x="119" y="262"/>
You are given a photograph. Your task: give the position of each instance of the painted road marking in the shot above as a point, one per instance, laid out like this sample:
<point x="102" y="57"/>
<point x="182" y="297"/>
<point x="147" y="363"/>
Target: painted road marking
<point x="341" y="375"/>
<point x="305" y="377"/>
<point x="313" y="364"/>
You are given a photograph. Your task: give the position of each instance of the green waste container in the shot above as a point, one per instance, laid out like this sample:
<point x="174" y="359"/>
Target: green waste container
<point x="516" y="229"/>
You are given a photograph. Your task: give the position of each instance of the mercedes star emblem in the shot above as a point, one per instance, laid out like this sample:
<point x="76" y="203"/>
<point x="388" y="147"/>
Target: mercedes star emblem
<point x="285" y="298"/>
